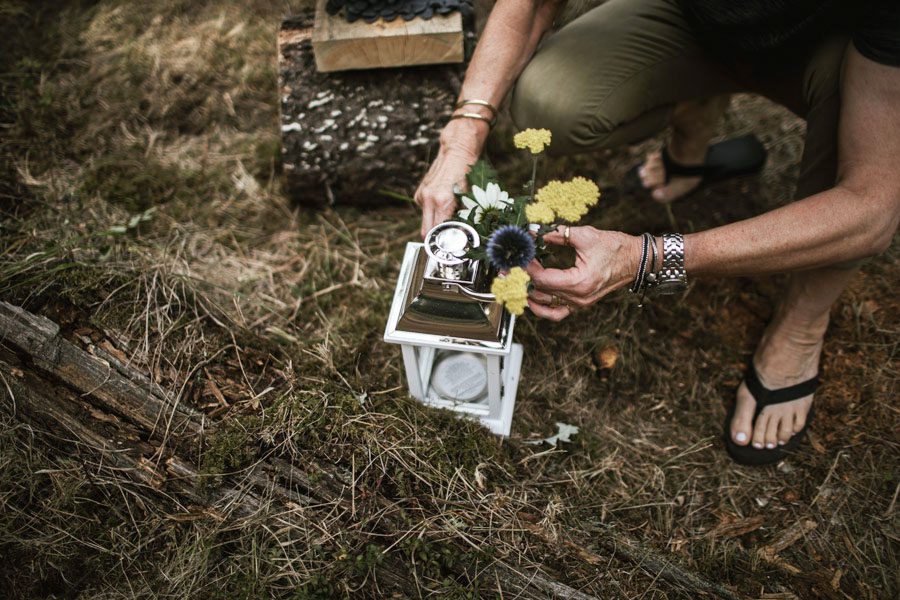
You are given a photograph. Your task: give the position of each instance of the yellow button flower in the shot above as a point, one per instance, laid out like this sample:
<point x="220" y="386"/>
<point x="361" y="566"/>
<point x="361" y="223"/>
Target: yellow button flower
<point x="533" y="139"/>
<point x="511" y="290"/>
<point x="539" y="212"/>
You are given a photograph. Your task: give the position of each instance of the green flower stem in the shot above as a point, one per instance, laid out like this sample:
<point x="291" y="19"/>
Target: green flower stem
<point x="534" y="162"/>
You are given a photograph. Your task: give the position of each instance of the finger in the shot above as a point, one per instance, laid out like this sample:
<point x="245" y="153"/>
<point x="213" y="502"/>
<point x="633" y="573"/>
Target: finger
<point x="545" y="312"/>
<point x="578" y="236"/>
<point x="561" y="281"/>
<point x="442" y="213"/>
<point x="541" y="297"/>
<point x="427" y="220"/>
<point x="548" y="299"/>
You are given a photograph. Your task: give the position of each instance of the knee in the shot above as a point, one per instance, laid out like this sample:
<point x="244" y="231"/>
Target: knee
<point x="537" y="101"/>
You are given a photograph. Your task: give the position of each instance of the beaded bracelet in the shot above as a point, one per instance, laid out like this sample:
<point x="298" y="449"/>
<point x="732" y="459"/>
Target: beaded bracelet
<point x="642" y="266"/>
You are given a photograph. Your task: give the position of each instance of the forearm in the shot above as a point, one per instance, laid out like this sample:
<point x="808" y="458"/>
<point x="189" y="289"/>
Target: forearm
<point x="837" y="225"/>
<point x="510" y="37"/>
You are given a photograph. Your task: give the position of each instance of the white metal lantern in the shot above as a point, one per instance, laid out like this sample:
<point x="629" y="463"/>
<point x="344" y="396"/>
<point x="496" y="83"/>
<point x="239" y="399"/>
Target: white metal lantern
<point x="456" y="339"/>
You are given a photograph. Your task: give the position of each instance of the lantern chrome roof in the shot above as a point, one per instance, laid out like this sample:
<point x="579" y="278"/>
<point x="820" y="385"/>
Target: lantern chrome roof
<point x="445" y="308"/>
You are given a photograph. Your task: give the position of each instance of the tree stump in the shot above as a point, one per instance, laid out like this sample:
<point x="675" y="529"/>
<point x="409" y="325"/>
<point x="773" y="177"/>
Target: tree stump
<point x="357" y="137"/>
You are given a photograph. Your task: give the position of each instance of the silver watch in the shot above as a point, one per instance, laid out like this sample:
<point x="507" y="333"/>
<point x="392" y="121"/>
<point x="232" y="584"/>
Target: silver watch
<point x="672" y="278"/>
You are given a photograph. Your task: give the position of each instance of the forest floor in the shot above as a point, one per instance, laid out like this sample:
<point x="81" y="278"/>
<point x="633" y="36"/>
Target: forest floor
<point x="141" y="202"/>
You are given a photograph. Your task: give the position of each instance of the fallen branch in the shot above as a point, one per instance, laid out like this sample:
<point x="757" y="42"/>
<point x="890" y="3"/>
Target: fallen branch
<point x="98" y="404"/>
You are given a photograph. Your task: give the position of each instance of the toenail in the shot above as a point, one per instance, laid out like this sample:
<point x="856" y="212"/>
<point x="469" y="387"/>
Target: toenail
<point x="757" y="445"/>
<point x="741" y="436"/>
<point x="770" y="445"/>
<point x="781" y="443"/>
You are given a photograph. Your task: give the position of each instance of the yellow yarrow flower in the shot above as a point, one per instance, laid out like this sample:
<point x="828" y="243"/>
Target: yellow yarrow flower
<point x="569" y="200"/>
<point x="533" y="139"/>
<point x="584" y="191"/>
<point x="538" y="212"/>
<point x="511" y="290"/>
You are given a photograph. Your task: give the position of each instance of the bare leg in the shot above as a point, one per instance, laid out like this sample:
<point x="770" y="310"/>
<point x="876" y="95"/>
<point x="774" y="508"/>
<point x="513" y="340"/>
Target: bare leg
<point x="694" y="123"/>
<point x="788" y="354"/>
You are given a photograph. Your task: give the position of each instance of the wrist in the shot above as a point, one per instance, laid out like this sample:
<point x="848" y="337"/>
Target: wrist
<point x="630" y="259"/>
<point x="464" y="136"/>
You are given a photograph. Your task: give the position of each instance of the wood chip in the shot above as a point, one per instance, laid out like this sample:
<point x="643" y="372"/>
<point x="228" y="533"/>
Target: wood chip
<point x="734" y="528"/>
<point x="787" y="538"/>
<point x="213" y="389"/>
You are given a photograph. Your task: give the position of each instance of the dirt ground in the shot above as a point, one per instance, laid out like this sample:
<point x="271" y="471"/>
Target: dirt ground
<point x="142" y="207"/>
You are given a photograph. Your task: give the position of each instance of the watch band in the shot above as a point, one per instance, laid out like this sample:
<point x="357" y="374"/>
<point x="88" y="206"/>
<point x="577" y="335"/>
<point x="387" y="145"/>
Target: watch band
<point x="672" y="277"/>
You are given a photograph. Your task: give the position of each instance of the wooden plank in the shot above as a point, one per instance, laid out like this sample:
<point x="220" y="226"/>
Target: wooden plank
<point x="341" y="46"/>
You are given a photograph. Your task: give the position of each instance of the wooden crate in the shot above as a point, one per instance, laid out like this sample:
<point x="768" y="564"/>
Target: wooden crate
<point x="341" y="46"/>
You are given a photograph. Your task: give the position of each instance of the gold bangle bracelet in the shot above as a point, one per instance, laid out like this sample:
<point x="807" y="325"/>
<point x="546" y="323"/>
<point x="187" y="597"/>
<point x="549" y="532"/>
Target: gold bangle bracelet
<point x="471" y="115"/>
<point x="476" y="102"/>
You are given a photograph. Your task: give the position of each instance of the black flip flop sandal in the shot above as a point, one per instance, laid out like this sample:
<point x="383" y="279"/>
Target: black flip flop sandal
<point x="748" y="455"/>
<point x="729" y="159"/>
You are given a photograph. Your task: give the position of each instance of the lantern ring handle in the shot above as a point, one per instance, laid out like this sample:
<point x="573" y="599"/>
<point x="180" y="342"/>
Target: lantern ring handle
<point x="431" y="249"/>
<point x="480" y="296"/>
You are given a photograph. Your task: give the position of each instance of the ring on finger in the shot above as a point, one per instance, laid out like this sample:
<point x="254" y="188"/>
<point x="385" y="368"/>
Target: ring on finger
<point x="554" y="301"/>
<point x="566" y="239"/>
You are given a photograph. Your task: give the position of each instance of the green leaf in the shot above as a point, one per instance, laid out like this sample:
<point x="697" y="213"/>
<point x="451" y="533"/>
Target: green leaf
<point x="481" y="174"/>
<point x="396" y="195"/>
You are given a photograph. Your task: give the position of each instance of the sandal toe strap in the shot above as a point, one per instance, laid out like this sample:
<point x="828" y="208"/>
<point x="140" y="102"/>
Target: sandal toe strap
<point x="675" y="169"/>
<point x="766" y="397"/>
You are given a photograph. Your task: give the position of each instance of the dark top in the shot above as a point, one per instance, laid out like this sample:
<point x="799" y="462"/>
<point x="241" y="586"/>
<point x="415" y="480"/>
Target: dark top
<point x="766" y="27"/>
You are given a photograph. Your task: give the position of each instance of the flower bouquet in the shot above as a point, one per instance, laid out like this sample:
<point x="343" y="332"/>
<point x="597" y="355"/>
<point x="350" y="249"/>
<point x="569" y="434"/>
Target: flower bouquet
<point x="512" y="228"/>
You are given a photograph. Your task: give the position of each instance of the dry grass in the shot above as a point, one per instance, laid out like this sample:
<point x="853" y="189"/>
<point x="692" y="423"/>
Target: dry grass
<point x="114" y="111"/>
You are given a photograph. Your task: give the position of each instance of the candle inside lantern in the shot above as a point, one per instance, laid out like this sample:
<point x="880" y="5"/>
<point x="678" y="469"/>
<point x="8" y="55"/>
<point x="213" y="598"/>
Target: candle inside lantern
<point x="460" y="376"/>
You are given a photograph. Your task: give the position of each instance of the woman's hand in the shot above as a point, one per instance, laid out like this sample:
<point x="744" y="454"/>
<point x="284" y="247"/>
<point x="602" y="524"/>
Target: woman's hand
<point x="461" y="142"/>
<point x="605" y="261"/>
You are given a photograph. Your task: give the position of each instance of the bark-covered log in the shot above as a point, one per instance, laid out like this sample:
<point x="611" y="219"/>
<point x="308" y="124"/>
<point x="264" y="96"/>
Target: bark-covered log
<point x="105" y="407"/>
<point x="349" y="137"/>
<point x="50" y="381"/>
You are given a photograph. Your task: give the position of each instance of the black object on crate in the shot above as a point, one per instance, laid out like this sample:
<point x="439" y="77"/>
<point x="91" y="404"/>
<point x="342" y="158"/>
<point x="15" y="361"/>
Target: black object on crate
<point x="372" y="10"/>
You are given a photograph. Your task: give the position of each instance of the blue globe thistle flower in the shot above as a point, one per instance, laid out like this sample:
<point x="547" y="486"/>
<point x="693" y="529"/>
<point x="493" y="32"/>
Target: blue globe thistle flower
<point x="510" y="246"/>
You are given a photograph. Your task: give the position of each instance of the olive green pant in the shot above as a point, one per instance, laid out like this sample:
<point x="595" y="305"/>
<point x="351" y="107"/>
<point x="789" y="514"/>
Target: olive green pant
<point x="613" y="76"/>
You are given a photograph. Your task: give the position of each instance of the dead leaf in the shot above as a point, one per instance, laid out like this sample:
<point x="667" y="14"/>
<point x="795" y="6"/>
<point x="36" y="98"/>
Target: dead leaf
<point x="607" y="358"/>
<point x="114" y="352"/>
<point x="816" y="444"/>
<point x="836" y="580"/>
<point x="564" y="433"/>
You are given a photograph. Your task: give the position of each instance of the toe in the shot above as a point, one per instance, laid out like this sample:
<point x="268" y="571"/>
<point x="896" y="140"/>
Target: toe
<point x="799" y="421"/>
<point x="785" y="430"/>
<point x="742" y="423"/>
<point x="652" y="174"/>
<point x="661" y="194"/>
<point x="759" y="431"/>
<point x="772" y="426"/>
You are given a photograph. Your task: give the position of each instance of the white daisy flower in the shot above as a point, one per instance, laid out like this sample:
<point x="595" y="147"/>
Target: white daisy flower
<point x="490" y="198"/>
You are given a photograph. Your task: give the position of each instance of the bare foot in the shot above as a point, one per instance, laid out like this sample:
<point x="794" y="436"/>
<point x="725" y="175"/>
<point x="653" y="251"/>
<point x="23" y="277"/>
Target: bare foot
<point x="653" y="177"/>
<point x="694" y="122"/>
<point x="787" y="355"/>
